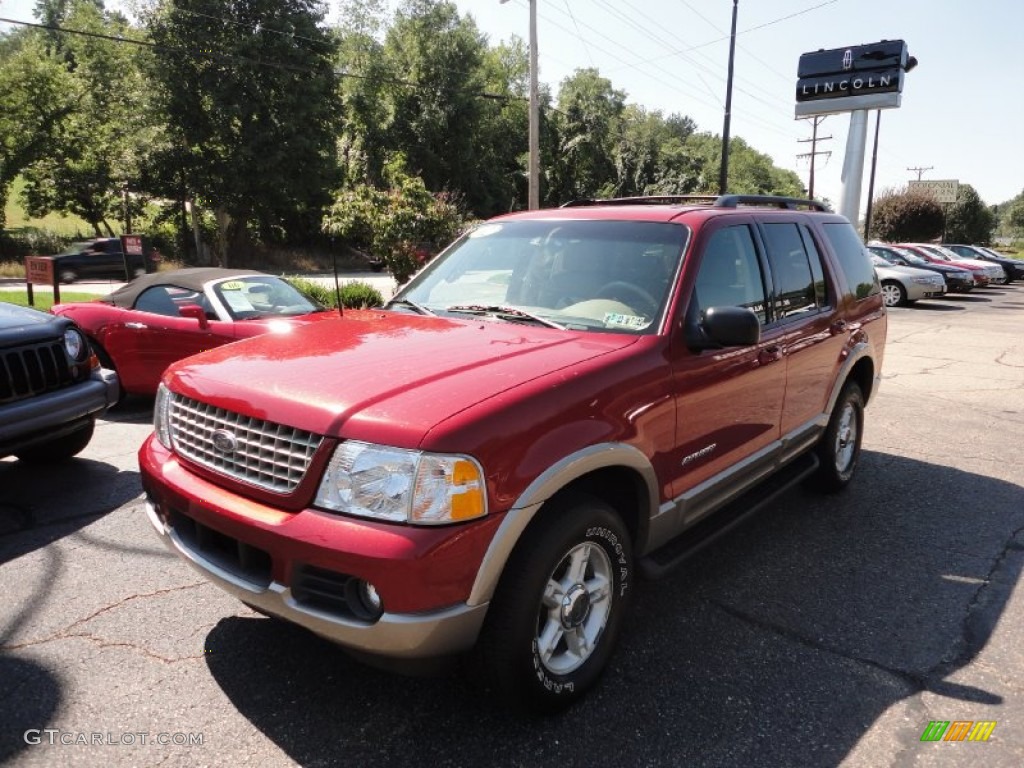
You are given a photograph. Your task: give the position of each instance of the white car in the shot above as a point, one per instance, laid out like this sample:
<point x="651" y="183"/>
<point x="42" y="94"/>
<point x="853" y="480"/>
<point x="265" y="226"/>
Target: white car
<point x="904" y="285"/>
<point x="993" y="272"/>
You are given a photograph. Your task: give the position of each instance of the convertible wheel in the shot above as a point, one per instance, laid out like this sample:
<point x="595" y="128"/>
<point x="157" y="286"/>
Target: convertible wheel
<point x="893" y="294"/>
<point x="559" y="607"/>
<point x="839" y="448"/>
<point x="60" y="449"/>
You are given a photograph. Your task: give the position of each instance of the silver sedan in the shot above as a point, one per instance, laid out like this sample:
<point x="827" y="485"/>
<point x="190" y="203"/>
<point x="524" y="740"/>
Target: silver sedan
<point x="903" y="285"/>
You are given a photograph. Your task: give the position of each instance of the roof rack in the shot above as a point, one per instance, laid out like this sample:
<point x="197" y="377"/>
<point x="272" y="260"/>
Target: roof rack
<point x="791" y="203"/>
<point x="718" y="201"/>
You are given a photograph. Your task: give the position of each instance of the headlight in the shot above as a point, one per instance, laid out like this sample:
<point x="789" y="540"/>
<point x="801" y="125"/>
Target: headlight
<point x="402" y="486"/>
<point x="162" y="416"/>
<point x="75" y="345"/>
<point x="924" y="281"/>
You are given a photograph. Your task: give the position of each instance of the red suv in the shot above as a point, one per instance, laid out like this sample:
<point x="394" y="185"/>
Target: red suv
<point x="559" y="401"/>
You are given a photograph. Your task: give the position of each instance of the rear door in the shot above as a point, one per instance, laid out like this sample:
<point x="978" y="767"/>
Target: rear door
<point x="811" y="337"/>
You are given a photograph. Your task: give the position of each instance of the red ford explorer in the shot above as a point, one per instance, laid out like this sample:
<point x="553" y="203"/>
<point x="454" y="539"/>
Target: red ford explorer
<point x="560" y="401"/>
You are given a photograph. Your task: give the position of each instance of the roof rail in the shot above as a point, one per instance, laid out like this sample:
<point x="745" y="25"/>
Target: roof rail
<point x="719" y="201"/>
<point x="792" y="203"/>
<point x="642" y="200"/>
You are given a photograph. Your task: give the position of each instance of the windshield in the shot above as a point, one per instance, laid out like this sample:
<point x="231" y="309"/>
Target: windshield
<point x="253" y="296"/>
<point x="595" y="275"/>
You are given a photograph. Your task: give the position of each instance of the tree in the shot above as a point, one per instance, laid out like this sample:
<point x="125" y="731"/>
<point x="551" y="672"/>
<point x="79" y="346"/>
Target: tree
<point x="900" y="216"/>
<point x="104" y="140"/>
<point x="36" y="95"/>
<point x="1013" y="218"/>
<point x="970" y="220"/>
<point x="249" y="92"/>
<point x="587" y="120"/>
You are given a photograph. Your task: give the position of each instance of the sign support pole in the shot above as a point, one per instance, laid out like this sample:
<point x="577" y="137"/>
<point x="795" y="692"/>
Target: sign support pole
<point x="853" y="166"/>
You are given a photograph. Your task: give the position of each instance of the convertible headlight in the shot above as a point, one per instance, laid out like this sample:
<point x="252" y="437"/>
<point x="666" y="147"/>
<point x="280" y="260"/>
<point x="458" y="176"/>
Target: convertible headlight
<point x="402" y="486"/>
<point x="75" y="345"/>
<point x="162" y="416"/>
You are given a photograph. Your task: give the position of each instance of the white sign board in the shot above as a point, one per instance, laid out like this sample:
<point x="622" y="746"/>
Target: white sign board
<point x="943" y="190"/>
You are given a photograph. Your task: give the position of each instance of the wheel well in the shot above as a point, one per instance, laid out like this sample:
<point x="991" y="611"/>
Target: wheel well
<point x="621" y="487"/>
<point x="864" y="374"/>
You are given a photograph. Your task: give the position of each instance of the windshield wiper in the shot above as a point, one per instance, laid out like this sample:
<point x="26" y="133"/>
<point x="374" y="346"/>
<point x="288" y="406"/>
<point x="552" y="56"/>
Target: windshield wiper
<point x="505" y="313"/>
<point x="411" y="304"/>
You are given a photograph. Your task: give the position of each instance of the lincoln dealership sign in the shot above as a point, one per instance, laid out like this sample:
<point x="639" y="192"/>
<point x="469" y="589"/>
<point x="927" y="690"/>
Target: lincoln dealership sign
<point x="849" y="79"/>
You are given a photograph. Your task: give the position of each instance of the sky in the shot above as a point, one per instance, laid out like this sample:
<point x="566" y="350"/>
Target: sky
<point x="962" y="112"/>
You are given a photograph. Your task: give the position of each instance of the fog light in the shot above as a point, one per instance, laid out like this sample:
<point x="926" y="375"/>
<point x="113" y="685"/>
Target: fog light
<point x="365" y="601"/>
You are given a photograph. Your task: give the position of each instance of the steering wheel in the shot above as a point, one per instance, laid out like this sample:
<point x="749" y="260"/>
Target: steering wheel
<point x="615" y="290"/>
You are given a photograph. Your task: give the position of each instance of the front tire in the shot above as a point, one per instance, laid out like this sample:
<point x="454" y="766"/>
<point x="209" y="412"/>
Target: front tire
<point x="60" y="449"/>
<point x="839" y="448"/>
<point x="558" y="609"/>
<point x="893" y="294"/>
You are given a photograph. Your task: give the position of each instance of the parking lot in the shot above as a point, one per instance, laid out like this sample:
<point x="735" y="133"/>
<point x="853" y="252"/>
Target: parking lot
<point x="826" y="631"/>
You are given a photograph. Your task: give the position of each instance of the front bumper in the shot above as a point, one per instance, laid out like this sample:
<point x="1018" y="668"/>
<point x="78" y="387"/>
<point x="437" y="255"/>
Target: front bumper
<point x="283" y="563"/>
<point x="37" y="418"/>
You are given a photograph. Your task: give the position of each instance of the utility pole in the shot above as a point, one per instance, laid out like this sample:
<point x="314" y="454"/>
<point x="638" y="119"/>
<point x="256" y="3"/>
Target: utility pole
<point x="816" y="121"/>
<point x="723" y="173"/>
<point x="919" y="170"/>
<point x="533" y="194"/>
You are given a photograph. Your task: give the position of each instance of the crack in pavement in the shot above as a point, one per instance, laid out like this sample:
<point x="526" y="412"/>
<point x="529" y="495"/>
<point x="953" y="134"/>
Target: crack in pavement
<point x="69" y="632"/>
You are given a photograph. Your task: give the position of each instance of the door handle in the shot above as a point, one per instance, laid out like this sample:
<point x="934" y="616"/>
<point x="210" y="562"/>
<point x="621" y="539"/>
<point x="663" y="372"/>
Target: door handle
<point x="136" y="326"/>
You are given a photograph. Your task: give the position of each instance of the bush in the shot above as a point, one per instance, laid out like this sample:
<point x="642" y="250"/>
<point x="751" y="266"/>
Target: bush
<point x="400" y="225"/>
<point x="16" y="244"/>
<point x="354" y="295"/>
<point x="901" y="217"/>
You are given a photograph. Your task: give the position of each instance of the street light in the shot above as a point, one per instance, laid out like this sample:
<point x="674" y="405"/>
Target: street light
<point x="534" y="190"/>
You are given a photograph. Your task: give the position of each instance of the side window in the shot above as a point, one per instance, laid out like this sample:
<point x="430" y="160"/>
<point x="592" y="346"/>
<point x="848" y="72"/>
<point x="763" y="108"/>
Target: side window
<point x="853" y="259"/>
<point x="158" y="301"/>
<point x="795" y="292"/>
<point x="730" y="273"/>
<point x="814" y="256"/>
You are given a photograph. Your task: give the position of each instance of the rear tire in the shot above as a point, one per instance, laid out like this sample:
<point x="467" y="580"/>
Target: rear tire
<point x="559" y="607"/>
<point x="68" y="275"/>
<point x="60" y="449"/>
<point x="839" y="448"/>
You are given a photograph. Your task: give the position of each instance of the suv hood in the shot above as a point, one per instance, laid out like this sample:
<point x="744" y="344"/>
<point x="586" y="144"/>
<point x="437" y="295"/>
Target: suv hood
<point x="385" y="377"/>
<point x="23" y="325"/>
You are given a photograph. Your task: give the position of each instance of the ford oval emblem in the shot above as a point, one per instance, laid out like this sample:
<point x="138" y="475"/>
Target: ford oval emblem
<point x="225" y="441"/>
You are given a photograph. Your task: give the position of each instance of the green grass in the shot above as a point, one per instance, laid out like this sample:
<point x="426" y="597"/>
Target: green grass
<point x="16" y="218"/>
<point x="44" y="298"/>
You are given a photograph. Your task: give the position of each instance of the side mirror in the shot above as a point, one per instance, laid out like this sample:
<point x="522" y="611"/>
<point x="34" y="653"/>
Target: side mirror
<point x="725" y="327"/>
<point x="196" y="313"/>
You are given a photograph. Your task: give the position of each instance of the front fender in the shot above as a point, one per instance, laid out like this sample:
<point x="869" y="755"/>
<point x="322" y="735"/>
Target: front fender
<point x="547" y="484"/>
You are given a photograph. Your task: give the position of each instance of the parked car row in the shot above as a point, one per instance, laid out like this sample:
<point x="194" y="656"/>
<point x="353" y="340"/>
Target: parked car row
<point x="912" y="271"/>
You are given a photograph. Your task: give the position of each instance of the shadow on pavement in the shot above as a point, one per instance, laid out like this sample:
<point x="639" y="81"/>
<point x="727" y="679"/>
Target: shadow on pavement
<point x="779" y="645"/>
<point x="29" y="697"/>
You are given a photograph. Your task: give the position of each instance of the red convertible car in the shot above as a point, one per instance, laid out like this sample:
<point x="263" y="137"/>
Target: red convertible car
<point x="144" y="326"/>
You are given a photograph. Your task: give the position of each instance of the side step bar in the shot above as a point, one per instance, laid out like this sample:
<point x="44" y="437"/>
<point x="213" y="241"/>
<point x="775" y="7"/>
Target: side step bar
<point x="666" y="559"/>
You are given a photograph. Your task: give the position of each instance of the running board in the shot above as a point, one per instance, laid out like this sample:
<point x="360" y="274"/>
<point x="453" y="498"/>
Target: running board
<point x="666" y="559"/>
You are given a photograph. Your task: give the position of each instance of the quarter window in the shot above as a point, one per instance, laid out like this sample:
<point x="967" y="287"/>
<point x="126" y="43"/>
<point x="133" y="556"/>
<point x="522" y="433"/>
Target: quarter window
<point x="853" y="259"/>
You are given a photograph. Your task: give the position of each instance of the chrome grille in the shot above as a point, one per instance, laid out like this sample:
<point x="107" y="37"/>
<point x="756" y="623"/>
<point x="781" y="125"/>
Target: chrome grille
<point x="260" y="453"/>
<point x="32" y="370"/>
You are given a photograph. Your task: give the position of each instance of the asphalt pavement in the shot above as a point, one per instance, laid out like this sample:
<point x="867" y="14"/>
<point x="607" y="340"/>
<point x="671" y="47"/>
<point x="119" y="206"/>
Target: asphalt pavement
<point x="826" y="631"/>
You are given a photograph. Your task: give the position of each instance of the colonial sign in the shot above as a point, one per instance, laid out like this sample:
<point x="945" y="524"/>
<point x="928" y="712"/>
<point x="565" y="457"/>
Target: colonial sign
<point x="848" y="79"/>
<point x="943" y="190"/>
